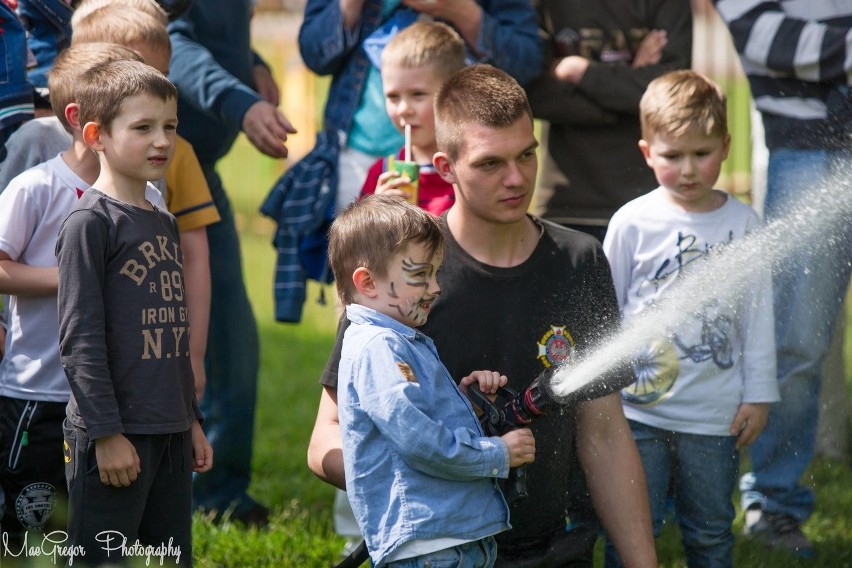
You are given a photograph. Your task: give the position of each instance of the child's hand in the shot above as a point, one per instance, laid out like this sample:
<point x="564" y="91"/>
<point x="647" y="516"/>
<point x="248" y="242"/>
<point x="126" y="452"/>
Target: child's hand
<point x="749" y="422"/>
<point x="521" y="444"/>
<point x="391" y="183"/>
<point x="118" y="462"/>
<point x="489" y="382"/>
<point x="202" y="451"/>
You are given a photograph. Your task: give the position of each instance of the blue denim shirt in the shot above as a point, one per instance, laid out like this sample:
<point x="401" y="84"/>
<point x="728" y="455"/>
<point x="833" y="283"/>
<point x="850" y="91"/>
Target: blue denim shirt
<point x="417" y="463"/>
<point x="16" y="94"/>
<point x="508" y="39"/>
<point x="48" y="23"/>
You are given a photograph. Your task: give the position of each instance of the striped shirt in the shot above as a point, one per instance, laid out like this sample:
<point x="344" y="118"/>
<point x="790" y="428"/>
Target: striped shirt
<point x="797" y="55"/>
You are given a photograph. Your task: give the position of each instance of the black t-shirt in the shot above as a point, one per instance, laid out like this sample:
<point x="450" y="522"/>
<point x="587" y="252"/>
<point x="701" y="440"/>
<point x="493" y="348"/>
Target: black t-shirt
<point x="520" y="321"/>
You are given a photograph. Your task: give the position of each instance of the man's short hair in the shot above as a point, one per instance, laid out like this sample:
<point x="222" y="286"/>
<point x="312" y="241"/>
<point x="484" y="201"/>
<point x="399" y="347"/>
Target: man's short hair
<point x="125" y="25"/>
<point x="426" y="43"/>
<point x="478" y="94"/>
<point x="86" y="7"/>
<point x="103" y="89"/>
<point x="371" y="231"/>
<point x="70" y="65"/>
<point x="682" y="102"/>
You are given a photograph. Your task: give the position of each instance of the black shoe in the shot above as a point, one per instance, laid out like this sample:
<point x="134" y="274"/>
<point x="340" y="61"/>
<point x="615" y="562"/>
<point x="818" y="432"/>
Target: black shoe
<point x="255" y="516"/>
<point x="251" y="514"/>
<point x="779" y="531"/>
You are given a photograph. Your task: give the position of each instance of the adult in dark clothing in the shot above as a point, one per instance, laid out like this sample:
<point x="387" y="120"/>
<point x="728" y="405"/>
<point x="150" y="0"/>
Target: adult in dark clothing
<point x="520" y="295"/>
<point x="600" y="57"/>
<point x="226" y="88"/>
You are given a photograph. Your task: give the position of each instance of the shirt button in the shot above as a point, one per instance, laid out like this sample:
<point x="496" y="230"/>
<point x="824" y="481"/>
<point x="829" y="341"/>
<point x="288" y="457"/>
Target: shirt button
<point x="495" y="471"/>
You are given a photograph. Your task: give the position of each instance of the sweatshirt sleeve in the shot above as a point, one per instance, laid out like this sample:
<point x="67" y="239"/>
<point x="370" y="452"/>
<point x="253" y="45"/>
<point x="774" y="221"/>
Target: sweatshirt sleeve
<point x="760" y="382"/>
<point x="324" y="43"/>
<point x="508" y="39"/>
<point x="607" y="90"/>
<point x="619" y="254"/>
<point x="619" y="88"/>
<point x="81" y="253"/>
<point x="203" y="82"/>
<point x="772" y="43"/>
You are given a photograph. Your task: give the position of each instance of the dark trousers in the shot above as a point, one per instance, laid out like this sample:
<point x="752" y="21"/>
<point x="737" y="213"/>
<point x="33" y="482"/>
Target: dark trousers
<point x="154" y="511"/>
<point x="32" y="474"/>
<point x="232" y="364"/>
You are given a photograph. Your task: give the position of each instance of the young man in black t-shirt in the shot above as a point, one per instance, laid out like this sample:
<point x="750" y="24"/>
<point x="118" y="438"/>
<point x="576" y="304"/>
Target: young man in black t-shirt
<point x="521" y="295"/>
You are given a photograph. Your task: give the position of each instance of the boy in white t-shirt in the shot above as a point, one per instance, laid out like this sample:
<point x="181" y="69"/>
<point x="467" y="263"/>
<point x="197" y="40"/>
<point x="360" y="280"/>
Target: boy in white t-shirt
<point x="702" y="391"/>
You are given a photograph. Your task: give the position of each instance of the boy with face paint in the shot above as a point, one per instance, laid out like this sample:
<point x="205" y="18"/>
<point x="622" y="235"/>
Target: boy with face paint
<point x="402" y="416"/>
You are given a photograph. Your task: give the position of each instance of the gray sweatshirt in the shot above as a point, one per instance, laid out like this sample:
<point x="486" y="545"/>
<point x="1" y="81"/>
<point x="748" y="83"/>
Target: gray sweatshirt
<point x="123" y="325"/>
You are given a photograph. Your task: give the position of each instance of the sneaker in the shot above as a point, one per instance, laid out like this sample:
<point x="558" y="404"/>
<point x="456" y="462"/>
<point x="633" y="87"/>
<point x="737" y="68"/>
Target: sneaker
<point x="255" y="516"/>
<point x="777" y="530"/>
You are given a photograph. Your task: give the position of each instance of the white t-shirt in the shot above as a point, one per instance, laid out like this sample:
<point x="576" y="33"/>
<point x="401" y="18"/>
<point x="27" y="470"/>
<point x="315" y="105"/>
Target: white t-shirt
<point x="32" y="208"/>
<point x="718" y="357"/>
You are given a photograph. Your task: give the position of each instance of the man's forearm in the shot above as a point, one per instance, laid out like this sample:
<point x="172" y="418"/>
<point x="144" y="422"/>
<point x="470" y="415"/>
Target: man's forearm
<point x="325" y="451"/>
<point x="616" y="480"/>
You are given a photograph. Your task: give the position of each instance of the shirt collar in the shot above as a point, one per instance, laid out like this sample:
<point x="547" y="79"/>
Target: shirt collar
<point x="364" y="315"/>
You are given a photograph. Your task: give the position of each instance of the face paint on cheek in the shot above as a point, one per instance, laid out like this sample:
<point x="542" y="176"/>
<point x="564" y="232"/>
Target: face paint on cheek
<point x="402" y="311"/>
<point x="416" y="273"/>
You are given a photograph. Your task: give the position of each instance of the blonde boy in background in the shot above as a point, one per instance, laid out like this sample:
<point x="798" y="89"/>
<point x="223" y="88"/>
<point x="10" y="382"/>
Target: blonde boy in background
<point x="703" y="391"/>
<point x="415" y="63"/>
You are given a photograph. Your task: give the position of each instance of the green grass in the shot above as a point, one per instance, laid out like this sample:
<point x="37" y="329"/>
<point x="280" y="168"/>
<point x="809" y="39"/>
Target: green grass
<point x="292" y="357"/>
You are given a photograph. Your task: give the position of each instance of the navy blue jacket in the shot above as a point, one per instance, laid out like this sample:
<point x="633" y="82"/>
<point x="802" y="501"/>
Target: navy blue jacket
<point x="211" y="66"/>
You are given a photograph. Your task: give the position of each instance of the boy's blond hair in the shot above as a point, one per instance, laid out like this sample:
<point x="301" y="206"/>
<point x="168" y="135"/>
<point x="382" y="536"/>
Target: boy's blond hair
<point x="102" y="90"/>
<point x="370" y="232"/>
<point x="478" y="94"/>
<point x="70" y="65"/>
<point x="86" y="7"/>
<point x="124" y="25"/>
<point x="426" y="43"/>
<point x="683" y="102"/>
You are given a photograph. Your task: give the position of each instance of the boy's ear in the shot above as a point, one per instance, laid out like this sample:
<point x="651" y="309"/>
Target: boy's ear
<point x="92" y="135"/>
<point x="364" y="283"/>
<point x="646" y="151"/>
<point x="72" y="115"/>
<point x="726" y="145"/>
<point x="444" y="168"/>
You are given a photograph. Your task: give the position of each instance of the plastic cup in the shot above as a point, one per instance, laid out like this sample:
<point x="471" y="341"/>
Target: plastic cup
<point x="412" y="171"/>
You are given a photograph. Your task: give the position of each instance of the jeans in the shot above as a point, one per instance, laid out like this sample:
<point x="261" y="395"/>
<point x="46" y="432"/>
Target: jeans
<point x="232" y="366"/>
<point x="809" y="289"/>
<point x="476" y="554"/>
<point x="702" y="473"/>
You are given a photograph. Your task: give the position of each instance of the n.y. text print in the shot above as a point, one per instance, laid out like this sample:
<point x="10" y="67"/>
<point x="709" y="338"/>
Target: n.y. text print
<point x="163" y="320"/>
